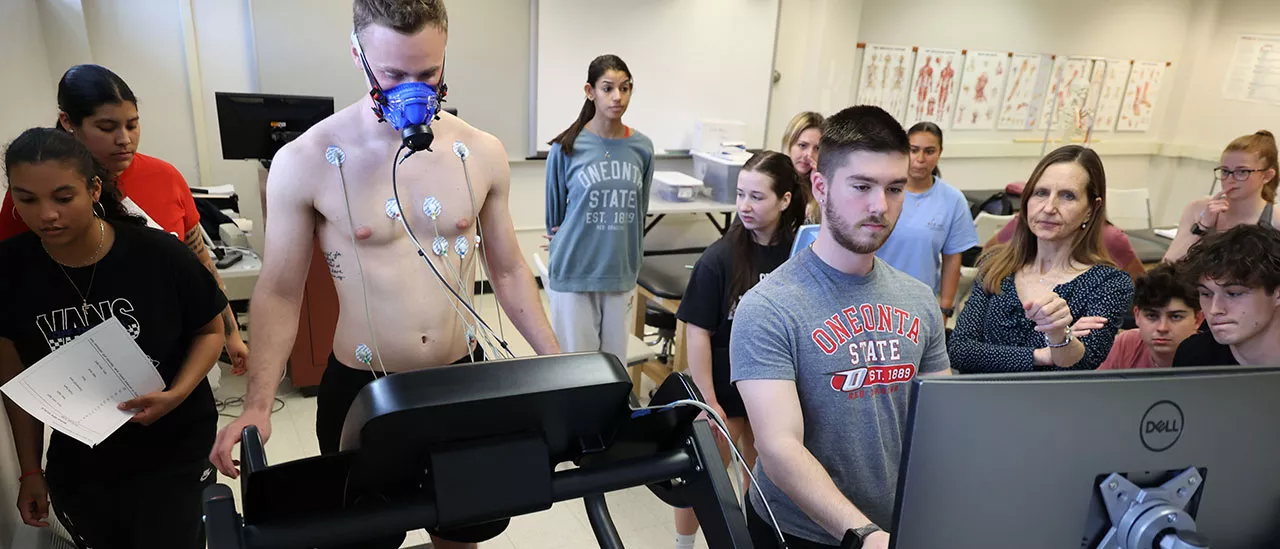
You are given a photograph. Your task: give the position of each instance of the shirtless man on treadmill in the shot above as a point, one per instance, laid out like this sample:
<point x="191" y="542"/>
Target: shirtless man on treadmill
<point x="413" y="317"/>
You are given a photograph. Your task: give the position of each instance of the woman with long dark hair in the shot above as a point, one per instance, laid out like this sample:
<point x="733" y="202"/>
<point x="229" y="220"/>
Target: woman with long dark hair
<point x="771" y="208"/>
<point x="598" y="176"/>
<point x="1051" y="298"/>
<point x="97" y="107"/>
<point x="935" y="226"/>
<point x="84" y="261"/>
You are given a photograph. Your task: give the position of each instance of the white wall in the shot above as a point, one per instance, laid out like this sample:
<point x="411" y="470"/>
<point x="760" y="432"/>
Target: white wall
<point x="1206" y="120"/>
<point x="65" y="38"/>
<point x="27" y="99"/>
<point x="816" y="50"/>
<point x="1173" y="159"/>
<point x="228" y="63"/>
<point x="142" y="41"/>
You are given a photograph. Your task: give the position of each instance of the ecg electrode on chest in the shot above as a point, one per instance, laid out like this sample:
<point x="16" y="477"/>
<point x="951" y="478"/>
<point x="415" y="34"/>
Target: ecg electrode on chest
<point x="444" y="242"/>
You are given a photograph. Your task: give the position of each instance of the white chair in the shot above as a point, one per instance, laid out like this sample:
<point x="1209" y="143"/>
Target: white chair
<point x="542" y="268"/>
<point x="988" y="225"/>
<point x="1129" y="209"/>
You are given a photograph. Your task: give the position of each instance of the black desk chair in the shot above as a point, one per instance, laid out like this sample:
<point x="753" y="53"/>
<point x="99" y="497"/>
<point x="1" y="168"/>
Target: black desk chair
<point x="660" y="286"/>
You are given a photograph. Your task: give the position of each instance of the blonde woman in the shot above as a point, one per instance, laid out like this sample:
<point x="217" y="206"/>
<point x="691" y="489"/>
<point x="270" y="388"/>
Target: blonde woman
<point x="1039" y="296"/>
<point x="800" y="142"/>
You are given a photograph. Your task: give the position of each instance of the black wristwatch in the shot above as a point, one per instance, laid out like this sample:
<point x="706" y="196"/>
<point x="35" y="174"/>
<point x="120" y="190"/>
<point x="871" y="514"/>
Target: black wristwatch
<point x="854" y="537"/>
<point x="948" y="311"/>
<point x="1198" y="229"/>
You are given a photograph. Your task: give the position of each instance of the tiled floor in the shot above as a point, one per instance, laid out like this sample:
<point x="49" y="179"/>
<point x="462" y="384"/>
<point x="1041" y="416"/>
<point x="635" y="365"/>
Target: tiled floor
<point x="643" y="521"/>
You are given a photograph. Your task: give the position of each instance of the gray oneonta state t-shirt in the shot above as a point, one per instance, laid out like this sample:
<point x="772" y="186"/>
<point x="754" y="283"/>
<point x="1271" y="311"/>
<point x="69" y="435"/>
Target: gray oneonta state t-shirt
<point x="851" y="344"/>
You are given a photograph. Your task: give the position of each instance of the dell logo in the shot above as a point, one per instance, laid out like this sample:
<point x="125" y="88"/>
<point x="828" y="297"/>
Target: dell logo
<point x="1161" y="426"/>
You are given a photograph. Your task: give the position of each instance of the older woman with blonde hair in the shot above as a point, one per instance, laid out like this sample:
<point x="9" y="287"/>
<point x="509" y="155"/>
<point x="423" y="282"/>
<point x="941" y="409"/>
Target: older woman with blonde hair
<point x="1050" y="298"/>
<point x="800" y="142"/>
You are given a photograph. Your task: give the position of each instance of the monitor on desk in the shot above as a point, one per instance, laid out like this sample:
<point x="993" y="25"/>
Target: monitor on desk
<point x="1046" y="460"/>
<point x="804" y="238"/>
<point x="253" y="126"/>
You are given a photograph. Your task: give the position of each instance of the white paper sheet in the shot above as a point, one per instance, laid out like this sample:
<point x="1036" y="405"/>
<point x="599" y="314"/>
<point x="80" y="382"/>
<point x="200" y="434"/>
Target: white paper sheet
<point x="77" y="388"/>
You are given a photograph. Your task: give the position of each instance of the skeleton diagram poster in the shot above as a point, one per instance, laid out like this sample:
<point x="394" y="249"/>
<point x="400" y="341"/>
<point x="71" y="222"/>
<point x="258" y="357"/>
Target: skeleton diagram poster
<point x="1067" y="92"/>
<point x="884" y="78"/>
<point x="1140" y="96"/>
<point x="935" y="84"/>
<point x="1107" y="92"/>
<point x="978" y="106"/>
<point x="1028" y="80"/>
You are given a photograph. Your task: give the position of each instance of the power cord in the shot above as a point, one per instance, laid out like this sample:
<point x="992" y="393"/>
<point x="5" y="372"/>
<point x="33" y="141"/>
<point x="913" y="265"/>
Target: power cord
<point x="739" y="461"/>
<point x="236" y="402"/>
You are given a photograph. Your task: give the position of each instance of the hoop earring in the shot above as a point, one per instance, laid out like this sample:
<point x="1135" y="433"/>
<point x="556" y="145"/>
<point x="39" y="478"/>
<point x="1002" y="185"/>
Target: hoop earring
<point x="96" y="206"/>
<point x="14" y="212"/>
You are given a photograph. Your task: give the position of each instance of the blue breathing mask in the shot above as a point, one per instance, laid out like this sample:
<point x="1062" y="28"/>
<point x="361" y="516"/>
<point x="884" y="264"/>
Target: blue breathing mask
<point x="410" y="108"/>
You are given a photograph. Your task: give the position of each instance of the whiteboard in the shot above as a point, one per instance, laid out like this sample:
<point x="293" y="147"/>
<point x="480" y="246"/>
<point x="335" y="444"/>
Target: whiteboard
<point x="690" y="59"/>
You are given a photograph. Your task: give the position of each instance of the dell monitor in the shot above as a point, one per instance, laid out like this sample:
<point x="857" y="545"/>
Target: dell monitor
<point x="1093" y="460"/>
<point x="253" y="126"/>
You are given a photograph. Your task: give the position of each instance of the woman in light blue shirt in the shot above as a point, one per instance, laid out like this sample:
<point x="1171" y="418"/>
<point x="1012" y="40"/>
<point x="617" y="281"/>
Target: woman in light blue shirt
<point x="935" y="226"/>
<point x="598" y="176"/>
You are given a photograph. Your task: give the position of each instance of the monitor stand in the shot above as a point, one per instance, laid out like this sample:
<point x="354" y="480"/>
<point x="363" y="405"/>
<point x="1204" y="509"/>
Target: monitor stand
<point x="1152" y="518"/>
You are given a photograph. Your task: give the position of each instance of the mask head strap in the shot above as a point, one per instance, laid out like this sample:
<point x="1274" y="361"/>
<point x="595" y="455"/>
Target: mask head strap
<point x="375" y="91"/>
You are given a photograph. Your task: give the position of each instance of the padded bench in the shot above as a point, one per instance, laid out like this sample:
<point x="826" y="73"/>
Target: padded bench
<point x="1149" y="246"/>
<point x="662" y="281"/>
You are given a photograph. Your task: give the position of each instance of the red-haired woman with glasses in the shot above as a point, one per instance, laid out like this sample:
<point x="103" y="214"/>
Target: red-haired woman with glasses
<point x="1249" y="178"/>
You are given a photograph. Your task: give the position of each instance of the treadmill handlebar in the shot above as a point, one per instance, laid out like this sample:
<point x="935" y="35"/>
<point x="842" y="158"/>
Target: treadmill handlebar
<point x="253" y="455"/>
<point x="356" y="525"/>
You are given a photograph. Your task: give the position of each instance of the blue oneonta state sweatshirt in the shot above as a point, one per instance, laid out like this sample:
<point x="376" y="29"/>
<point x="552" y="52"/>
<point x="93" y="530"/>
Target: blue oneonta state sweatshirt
<point x="598" y="197"/>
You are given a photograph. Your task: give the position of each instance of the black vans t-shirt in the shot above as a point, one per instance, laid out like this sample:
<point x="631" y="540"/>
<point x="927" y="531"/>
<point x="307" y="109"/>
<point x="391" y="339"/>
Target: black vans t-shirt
<point x="161" y="293"/>
<point x="1201" y="349"/>
<point x="708" y="305"/>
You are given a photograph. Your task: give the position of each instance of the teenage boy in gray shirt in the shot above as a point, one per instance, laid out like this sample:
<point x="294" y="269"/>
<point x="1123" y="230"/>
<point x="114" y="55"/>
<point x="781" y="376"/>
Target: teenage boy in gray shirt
<point x="824" y="348"/>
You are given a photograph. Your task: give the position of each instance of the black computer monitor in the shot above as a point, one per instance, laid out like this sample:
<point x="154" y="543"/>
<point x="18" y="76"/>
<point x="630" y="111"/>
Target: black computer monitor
<point x="253" y="126"/>
<point x="1025" y="461"/>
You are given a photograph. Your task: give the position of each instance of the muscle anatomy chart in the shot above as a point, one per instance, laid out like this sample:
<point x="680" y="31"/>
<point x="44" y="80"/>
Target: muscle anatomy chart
<point x="1107" y="91"/>
<point x="1140" y="96"/>
<point x="1025" y="90"/>
<point x="884" y="78"/>
<point x="981" y="88"/>
<point x="935" y="85"/>
<point x="1067" y="92"/>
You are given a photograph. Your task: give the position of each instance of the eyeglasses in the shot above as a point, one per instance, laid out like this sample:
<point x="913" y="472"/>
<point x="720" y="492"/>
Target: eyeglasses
<point x="1242" y="174"/>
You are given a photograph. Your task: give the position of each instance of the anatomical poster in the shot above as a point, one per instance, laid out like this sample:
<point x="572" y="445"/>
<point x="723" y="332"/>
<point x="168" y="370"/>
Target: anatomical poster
<point x="1067" y="91"/>
<point x="978" y="106"/>
<point x="1025" y="90"/>
<point x="935" y="85"/>
<point x="884" y="78"/>
<point x="1107" y="92"/>
<point x="1140" y="96"/>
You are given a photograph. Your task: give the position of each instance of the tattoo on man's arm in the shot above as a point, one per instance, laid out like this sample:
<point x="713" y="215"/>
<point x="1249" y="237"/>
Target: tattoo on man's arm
<point x="335" y="268"/>
<point x="195" y="241"/>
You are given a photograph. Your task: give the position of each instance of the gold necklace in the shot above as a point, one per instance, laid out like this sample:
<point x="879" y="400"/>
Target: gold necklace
<point x="84" y="296"/>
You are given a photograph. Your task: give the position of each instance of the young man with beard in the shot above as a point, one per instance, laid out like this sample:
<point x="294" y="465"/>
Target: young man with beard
<point x="823" y="351"/>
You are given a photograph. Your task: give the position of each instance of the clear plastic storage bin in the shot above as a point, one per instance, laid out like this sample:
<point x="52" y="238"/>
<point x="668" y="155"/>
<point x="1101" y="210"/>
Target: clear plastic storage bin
<point x="676" y="187"/>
